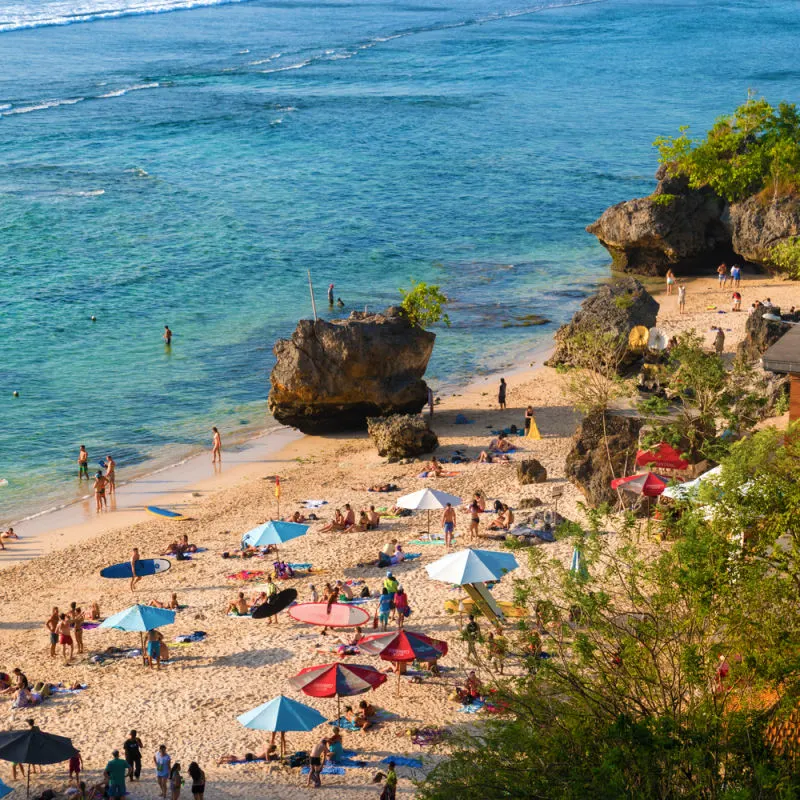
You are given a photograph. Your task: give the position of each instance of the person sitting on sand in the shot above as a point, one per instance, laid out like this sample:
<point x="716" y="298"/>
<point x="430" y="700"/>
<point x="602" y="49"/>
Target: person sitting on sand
<point x="349" y="517"/>
<point x="365" y="716"/>
<point x="388" y="548"/>
<point x="296" y="517"/>
<point x="345" y="592"/>
<point x="185" y="546"/>
<point x="336" y="745"/>
<point x="173" y="549"/>
<point x="363" y="523"/>
<point x="398" y="556"/>
<point x="373" y="519"/>
<point x="500" y="444"/>
<point x="282" y="570"/>
<point x="503" y="521"/>
<point x="736" y="302"/>
<point x="94" y="612"/>
<point x="434" y="467"/>
<point x="471" y="691"/>
<point x="336" y="525"/>
<point x="171" y="604"/>
<point x="239" y="607"/>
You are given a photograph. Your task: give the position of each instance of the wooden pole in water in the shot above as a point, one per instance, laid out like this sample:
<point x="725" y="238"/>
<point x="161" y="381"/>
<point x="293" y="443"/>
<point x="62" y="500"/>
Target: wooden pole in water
<point x="311" y="290"/>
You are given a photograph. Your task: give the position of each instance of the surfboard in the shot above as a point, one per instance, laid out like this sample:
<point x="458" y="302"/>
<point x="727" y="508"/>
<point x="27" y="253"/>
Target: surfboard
<point x="279" y="602"/>
<point x="508" y="609"/>
<point x="147" y="566"/>
<point x="165" y="513"/>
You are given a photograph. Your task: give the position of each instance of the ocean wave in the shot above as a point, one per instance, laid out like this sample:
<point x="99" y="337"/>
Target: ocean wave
<point x="22" y="14"/>
<point x="41" y="106"/>
<point x="299" y="65"/>
<point x="5" y="106"/>
<point x="120" y="92"/>
<point x="266" y="60"/>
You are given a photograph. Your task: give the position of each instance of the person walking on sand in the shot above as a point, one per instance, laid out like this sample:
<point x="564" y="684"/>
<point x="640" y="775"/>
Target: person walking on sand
<point x="385" y="607"/>
<point x="736" y="276"/>
<point x="163" y="761"/>
<point x="167" y="337"/>
<point x="670" y="280"/>
<point x="111" y="474"/>
<point x="216" y="447"/>
<point x="100" y="501"/>
<point x="133" y="755"/>
<point x="198" y="780"/>
<point x="682" y="299"/>
<point x="722" y="275"/>
<point x="83" y="463"/>
<point x="64" y="637"/>
<point x="448" y="524"/>
<point x="472" y="635"/>
<point x="135" y="558"/>
<point x="390" y="786"/>
<point x="501" y="393"/>
<point x="52" y="627"/>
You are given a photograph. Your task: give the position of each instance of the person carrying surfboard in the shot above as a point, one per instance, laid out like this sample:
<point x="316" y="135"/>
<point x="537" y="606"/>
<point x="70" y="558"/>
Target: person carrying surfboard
<point x="135" y="558"/>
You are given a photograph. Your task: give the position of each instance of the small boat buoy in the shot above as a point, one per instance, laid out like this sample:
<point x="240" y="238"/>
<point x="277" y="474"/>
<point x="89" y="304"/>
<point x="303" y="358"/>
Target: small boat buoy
<point x="93" y="318"/>
<point x="15" y="393"/>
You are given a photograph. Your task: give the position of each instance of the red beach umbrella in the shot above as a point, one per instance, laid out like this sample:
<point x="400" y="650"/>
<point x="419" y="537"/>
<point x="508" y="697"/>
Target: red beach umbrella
<point x="648" y="484"/>
<point x="335" y="615"/>
<point x="664" y="456"/>
<point x="337" y="680"/>
<point x="403" y="646"/>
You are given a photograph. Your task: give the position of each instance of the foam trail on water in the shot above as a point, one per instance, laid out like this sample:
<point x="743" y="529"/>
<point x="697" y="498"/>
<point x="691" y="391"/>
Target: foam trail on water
<point x="138" y="87"/>
<point x="41" y="106"/>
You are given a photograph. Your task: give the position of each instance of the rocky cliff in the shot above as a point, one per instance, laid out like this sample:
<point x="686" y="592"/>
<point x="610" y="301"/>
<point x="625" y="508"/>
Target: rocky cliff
<point x="331" y="376"/>
<point x="693" y="230"/>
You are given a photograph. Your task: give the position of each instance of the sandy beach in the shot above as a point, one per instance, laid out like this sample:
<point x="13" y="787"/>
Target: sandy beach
<point x="191" y="705"/>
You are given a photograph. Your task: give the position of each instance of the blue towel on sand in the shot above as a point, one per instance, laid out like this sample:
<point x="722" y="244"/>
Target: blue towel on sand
<point x="239" y="763"/>
<point x="462" y="420"/>
<point x="402" y="761"/>
<point x="412" y="556"/>
<point x="471" y="708"/>
<point x="301" y="567"/>
<point x="344" y="724"/>
<point x="328" y="769"/>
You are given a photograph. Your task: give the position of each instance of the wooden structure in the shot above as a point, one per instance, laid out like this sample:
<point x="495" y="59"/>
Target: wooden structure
<point x="784" y="357"/>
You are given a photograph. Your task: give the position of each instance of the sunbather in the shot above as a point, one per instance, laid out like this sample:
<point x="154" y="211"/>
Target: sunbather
<point x="487" y="457"/>
<point x="434" y="467"/>
<point x="500" y="444"/>
<point x="337" y="524"/>
<point x="238" y="607"/>
<point x="172" y="603"/>
<point x="232" y="758"/>
<point x="296" y="517"/>
<point x="503" y="521"/>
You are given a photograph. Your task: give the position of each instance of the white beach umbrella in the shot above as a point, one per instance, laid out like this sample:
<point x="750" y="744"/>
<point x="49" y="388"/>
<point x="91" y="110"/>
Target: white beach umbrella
<point x="683" y="490"/>
<point x="472" y="566"/>
<point x="428" y="500"/>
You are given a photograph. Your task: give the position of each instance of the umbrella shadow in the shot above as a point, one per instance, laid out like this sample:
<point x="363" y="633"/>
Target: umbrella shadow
<point x="255" y="658"/>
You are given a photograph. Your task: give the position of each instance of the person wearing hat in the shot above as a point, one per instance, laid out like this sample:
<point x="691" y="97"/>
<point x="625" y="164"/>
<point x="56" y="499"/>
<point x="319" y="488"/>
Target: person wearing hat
<point x="390" y="582"/>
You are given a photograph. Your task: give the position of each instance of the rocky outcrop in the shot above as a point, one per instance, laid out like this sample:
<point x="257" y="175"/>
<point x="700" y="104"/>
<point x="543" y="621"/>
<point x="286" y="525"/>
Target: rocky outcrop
<point x="676" y="227"/>
<point x="531" y="471"/>
<point x="588" y="466"/>
<point x="757" y="225"/>
<point x="331" y="375"/>
<point x="401" y="436"/>
<point x="616" y="308"/>
<point x="760" y="334"/>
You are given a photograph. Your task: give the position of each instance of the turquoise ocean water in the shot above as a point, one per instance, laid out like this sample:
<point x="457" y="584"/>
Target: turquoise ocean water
<point x="189" y="167"/>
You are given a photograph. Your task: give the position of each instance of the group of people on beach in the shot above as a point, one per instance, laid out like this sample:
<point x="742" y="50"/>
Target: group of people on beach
<point x="368" y="520"/>
<point x="66" y="629"/>
<point x="105" y="479"/>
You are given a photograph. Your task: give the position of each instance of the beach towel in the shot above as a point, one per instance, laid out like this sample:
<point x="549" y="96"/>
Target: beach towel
<point x="240" y="616"/>
<point x="344" y="724"/>
<point x="533" y="431"/>
<point x="462" y="420"/>
<point x="304" y="567"/>
<point x="471" y="708"/>
<point x="402" y="761"/>
<point x="450" y="474"/>
<point x="90" y="626"/>
<point x="197" y="636"/>
<point x="239" y="763"/>
<point x="328" y="769"/>
<point x="428" y="736"/>
<point x="412" y="556"/>
<point x="64" y="690"/>
<point x="315" y="503"/>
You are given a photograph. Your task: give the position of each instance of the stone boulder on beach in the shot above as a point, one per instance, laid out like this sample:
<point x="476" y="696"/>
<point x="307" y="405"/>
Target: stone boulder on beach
<point x="401" y="436"/>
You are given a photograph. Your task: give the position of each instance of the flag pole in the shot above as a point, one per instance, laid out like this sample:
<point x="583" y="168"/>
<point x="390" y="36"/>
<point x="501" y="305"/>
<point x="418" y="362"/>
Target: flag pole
<point x="278" y="494"/>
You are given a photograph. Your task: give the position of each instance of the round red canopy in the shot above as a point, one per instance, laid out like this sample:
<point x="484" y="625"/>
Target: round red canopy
<point x="403" y="646"/>
<point x="337" y="680"/>
<point x="664" y="456"/>
<point x="648" y="484"/>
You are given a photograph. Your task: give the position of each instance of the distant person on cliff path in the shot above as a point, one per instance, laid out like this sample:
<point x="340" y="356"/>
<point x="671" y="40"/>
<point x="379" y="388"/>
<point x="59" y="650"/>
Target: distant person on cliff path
<point x="83" y="463"/>
<point x="501" y="393"/>
<point x="167" y="336"/>
<point x="670" y="280"/>
<point x="216" y="447"/>
<point x="330" y="294"/>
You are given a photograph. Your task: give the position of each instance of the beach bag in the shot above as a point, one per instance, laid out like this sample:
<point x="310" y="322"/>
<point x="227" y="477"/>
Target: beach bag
<point x="298" y="759"/>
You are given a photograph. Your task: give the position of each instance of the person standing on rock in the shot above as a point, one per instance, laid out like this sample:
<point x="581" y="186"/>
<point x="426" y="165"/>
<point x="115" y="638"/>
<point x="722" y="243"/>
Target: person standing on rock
<point x="501" y="394"/>
<point x="682" y="299"/>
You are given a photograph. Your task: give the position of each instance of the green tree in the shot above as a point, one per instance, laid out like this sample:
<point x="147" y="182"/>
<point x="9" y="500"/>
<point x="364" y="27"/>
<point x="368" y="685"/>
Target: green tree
<point x="665" y="666"/>
<point x="424" y="304"/>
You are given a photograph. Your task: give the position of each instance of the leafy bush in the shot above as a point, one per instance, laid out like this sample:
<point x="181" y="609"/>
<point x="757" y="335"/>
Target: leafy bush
<point x="756" y="148"/>
<point x="623" y="301"/>
<point x="786" y="256"/>
<point x="424" y="304"/>
<point x="663" y="200"/>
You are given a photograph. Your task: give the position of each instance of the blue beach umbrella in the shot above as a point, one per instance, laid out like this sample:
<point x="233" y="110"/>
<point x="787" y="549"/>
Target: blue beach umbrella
<point x="273" y="532"/>
<point x="281" y="714"/>
<point x="140" y="618"/>
<point x="472" y="566"/>
<point x="4" y="790"/>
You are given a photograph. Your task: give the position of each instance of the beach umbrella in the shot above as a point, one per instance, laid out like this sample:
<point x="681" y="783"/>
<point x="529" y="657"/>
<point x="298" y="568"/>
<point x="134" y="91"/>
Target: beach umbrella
<point x="337" y="680"/>
<point x="428" y="500"/>
<point x="663" y="456"/>
<point x="33" y="746"/>
<point x="281" y="714"/>
<point x="4" y="790"/>
<point x="273" y="532"/>
<point x="684" y="490"/>
<point x="335" y="615"/>
<point x="472" y="566"/>
<point x="577" y="565"/>
<point x="402" y="646"/>
<point x="139" y="618"/>
<point x="647" y="484"/>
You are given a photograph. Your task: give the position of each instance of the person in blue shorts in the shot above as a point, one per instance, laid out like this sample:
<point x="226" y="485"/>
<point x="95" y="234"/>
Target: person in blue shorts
<point x="385" y="608"/>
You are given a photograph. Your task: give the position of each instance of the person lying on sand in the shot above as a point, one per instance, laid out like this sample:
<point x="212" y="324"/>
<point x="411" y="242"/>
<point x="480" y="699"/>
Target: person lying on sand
<point x="296" y="517"/>
<point x="269" y="754"/>
<point x="434" y="467"/>
<point x="492" y="458"/>
<point x="336" y="525"/>
<point x="238" y="607"/>
<point x="171" y="604"/>
<point x="383" y="487"/>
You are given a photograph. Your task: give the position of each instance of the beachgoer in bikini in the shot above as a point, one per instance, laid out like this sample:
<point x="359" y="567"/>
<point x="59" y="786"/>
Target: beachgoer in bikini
<point x="670" y="280"/>
<point x="135" y="558"/>
<point x="64" y="637"/>
<point x="83" y="463"/>
<point x="111" y="473"/>
<point x="216" y="447"/>
<point x="94" y="613"/>
<point x="336" y="525"/>
<point x="100" y="501"/>
<point x="474" y="520"/>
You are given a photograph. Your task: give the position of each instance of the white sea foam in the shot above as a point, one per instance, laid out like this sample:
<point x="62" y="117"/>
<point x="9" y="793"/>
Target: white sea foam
<point x="299" y="65"/>
<point x="21" y="14"/>
<point x="90" y="193"/>
<point x="126" y="89"/>
<point x="5" y="106"/>
<point x="41" y="106"/>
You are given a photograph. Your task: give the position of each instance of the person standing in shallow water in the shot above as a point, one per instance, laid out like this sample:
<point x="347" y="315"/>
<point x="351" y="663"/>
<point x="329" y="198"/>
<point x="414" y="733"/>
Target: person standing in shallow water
<point x="83" y="463"/>
<point x="167" y="336"/>
<point x="330" y="294"/>
<point x="501" y="393"/>
<point x="216" y="447"/>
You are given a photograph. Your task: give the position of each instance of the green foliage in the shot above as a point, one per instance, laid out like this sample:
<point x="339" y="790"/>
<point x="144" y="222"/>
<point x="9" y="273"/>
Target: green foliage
<point x="654" y="405"/>
<point x="663" y="200"/>
<point x="623" y="301"/>
<point x="786" y="256"/>
<point x="630" y="703"/>
<point x="755" y="148"/>
<point x="424" y="304"/>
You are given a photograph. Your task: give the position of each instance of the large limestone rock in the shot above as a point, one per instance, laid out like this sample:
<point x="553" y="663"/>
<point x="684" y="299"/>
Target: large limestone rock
<point x="331" y="376"/>
<point x="756" y="225"/>
<point x="588" y="466"/>
<point x="401" y="436"/>
<point x="676" y="227"/>
<point x="760" y="334"/>
<point x="615" y="308"/>
<point x="531" y="471"/>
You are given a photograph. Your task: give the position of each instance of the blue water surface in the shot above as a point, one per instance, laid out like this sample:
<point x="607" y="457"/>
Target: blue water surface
<point x="189" y="168"/>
